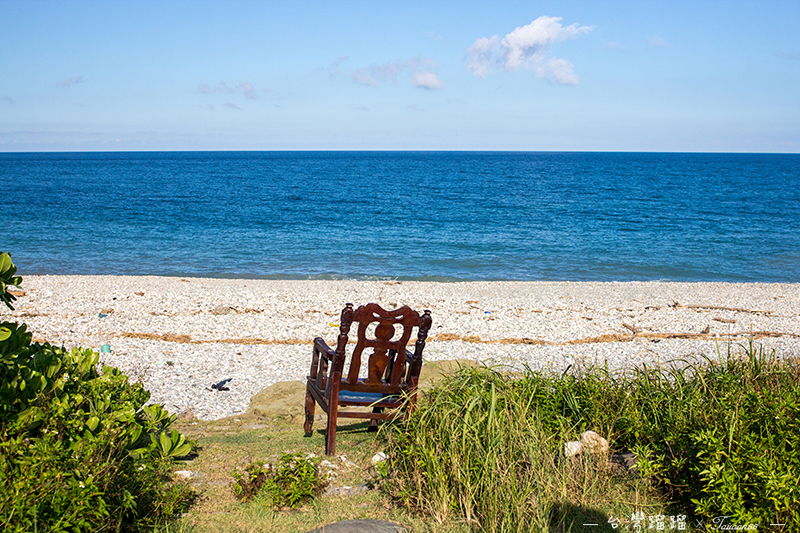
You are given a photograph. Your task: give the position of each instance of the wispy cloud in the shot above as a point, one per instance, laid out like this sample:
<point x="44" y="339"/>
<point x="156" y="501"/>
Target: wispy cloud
<point x="244" y="87"/>
<point x="616" y="46"/>
<point x="526" y="46"/>
<point x="788" y="55"/>
<point x="72" y="81"/>
<point x="657" y="41"/>
<point x="231" y="105"/>
<point x="426" y="79"/>
<point x="249" y="91"/>
<point x="334" y="68"/>
<point x="417" y="67"/>
<point x="8" y="99"/>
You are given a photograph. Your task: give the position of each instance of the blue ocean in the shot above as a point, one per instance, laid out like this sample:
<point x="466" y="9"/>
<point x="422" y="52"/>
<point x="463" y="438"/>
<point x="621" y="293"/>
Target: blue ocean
<point x="443" y="216"/>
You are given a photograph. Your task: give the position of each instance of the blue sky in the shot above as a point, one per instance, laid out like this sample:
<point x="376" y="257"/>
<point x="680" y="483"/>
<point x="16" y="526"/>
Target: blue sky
<point x="400" y="75"/>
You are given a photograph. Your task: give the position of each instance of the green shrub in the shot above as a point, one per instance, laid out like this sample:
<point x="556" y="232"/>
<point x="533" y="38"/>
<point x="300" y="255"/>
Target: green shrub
<point x="293" y="481"/>
<point x="737" y="449"/>
<point x="716" y="439"/>
<point x="484" y="448"/>
<point x="79" y="450"/>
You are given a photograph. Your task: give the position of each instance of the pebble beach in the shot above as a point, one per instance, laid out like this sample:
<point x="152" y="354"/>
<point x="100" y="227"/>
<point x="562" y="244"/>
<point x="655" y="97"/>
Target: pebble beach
<point x="180" y="336"/>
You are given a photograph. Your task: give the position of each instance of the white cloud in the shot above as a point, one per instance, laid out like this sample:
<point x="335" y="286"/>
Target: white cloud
<point x="526" y="46"/>
<point x="231" y="105"/>
<point x="417" y="67"/>
<point x="560" y="70"/>
<point x="72" y="81"/>
<point x="425" y="79"/>
<point x="480" y="55"/>
<point x="249" y="91"/>
<point x="362" y="77"/>
<point x="657" y="41"/>
<point x="244" y="87"/>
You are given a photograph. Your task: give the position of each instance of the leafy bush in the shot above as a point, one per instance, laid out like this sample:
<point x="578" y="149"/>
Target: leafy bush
<point x="484" y="447"/>
<point x="79" y="450"/>
<point x="735" y="450"/>
<point x="718" y="438"/>
<point x="294" y="480"/>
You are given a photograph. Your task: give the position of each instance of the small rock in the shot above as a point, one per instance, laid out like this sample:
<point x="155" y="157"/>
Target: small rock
<point x="345" y="490"/>
<point x="593" y="443"/>
<point x="572" y="448"/>
<point x="184" y="474"/>
<point x="378" y="458"/>
<point x="346" y="461"/>
<point x="221" y="310"/>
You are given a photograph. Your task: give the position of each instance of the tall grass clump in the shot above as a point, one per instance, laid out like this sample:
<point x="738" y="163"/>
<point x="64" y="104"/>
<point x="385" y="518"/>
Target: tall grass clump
<point x="484" y="448"/>
<point x="718" y="437"/>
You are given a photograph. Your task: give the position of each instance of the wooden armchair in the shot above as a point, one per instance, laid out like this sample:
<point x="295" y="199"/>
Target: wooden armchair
<point x="392" y="370"/>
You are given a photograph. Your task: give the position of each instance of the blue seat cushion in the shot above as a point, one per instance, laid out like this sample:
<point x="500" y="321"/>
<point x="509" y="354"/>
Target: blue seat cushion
<point x="371" y="397"/>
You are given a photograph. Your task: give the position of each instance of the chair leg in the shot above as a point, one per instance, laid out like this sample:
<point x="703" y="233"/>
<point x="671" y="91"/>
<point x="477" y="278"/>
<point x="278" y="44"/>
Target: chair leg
<point x="373" y="424"/>
<point x="330" y="438"/>
<point x="310" y="404"/>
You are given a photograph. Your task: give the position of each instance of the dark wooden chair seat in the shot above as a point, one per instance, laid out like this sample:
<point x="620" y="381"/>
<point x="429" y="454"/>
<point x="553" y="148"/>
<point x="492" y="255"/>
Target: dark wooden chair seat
<point x="392" y="371"/>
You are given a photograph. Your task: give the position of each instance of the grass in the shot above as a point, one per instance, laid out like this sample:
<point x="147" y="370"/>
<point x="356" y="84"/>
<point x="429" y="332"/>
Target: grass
<point x="484" y="453"/>
<point x="232" y="444"/>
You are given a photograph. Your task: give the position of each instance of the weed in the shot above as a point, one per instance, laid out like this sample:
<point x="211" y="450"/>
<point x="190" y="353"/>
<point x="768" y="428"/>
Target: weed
<point x="293" y="481"/>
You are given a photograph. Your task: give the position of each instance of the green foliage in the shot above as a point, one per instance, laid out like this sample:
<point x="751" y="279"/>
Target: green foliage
<point x="719" y="438"/>
<point x="79" y="450"/>
<point x="294" y="480"/>
<point x="737" y="451"/>
<point x="7" y="278"/>
<point x="483" y="447"/>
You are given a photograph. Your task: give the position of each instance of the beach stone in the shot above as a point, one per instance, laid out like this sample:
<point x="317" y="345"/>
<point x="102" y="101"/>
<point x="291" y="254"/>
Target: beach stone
<point x="360" y="526"/>
<point x="286" y="398"/>
<point x="572" y="448"/>
<point x="593" y="443"/>
<point x="378" y="458"/>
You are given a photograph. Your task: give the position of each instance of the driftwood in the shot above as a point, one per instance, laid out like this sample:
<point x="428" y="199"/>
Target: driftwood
<point x="634" y="329"/>
<point x="721" y="308"/>
<point x="615" y="337"/>
<point x="475" y="339"/>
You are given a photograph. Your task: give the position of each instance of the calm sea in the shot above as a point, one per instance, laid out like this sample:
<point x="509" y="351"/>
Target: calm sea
<point x="406" y="215"/>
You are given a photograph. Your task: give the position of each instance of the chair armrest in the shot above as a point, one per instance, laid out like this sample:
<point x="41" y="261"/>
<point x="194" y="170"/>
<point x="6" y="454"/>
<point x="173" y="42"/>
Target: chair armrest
<point x="322" y="356"/>
<point x="324" y="350"/>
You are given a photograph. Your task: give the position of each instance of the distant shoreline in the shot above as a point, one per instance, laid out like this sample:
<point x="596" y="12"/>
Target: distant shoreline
<point x="378" y="279"/>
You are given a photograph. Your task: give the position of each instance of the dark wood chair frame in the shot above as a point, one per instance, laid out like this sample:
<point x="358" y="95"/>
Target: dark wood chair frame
<point x="393" y="371"/>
